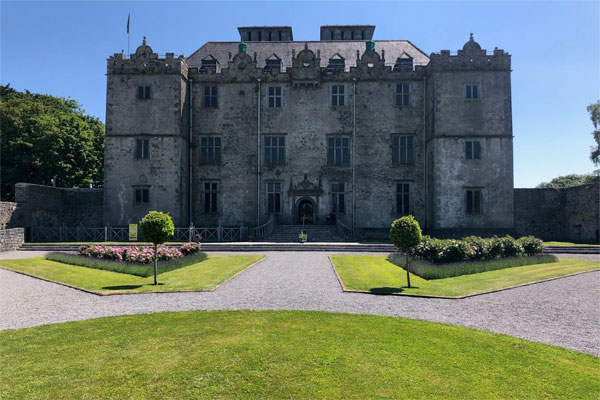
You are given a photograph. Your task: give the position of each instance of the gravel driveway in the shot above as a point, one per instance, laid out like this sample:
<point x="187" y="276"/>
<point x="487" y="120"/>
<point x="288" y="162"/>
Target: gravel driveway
<point x="563" y="312"/>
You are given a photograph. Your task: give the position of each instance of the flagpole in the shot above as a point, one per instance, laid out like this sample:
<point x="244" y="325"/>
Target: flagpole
<point x="128" y="17"/>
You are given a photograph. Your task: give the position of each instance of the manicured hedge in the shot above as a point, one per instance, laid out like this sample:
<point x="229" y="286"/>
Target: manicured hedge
<point x="474" y="248"/>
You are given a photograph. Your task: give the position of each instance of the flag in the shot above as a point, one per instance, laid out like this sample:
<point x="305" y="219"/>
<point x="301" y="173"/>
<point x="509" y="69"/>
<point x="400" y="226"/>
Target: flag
<point x="128" y="15"/>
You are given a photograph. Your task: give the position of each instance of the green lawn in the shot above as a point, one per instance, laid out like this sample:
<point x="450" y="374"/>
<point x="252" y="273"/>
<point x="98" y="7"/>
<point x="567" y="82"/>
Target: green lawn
<point x="377" y="275"/>
<point x="569" y="244"/>
<point x="284" y="354"/>
<point x="205" y="275"/>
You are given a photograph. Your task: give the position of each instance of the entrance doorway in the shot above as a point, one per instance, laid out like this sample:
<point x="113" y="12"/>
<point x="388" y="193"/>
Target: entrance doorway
<point x="306" y="212"/>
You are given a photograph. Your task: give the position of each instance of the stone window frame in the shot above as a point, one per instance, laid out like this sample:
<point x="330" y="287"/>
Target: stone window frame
<point x="277" y="99"/>
<point x="474" y="202"/>
<point x="211" y="188"/>
<point x="144" y="92"/>
<point x="402" y="94"/>
<point x="409" y="150"/>
<point x="215" y="149"/>
<point x="338" y="194"/>
<point x="466" y="91"/>
<point x="404" y="197"/>
<point x="475" y="149"/>
<point x="141" y="194"/>
<point x="210" y="96"/>
<point x="337" y="96"/>
<point x="332" y="154"/>
<point x="277" y="150"/>
<point x="142" y="149"/>
<point x="273" y="197"/>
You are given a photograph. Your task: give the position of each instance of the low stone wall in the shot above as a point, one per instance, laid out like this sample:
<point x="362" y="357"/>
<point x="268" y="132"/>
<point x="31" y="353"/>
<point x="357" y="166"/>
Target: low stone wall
<point x="569" y="214"/>
<point x="8" y="215"/>
<point x="52" y="206"/>
<point x="11" y="239"/>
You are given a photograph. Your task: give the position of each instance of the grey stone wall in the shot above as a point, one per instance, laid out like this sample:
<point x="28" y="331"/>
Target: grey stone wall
<point x="11" y="239"/>
<point x="49" y="206"/>
<point x="9" y="215"/>
<point x="570" y="214"/>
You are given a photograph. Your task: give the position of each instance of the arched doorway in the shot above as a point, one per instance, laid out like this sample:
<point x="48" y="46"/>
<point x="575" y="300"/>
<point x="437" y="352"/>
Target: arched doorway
<point x="306" y="212"/>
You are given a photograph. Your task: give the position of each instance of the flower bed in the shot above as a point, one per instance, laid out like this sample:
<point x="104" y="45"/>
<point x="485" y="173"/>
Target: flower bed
<point x="137" y="254"/>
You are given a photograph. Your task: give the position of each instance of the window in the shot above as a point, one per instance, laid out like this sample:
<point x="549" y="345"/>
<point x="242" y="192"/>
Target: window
<point x="142" y="148"/>
<point x="402" y="95"/>
<point x="403" y="198"/>
<point x="402" y="150"/>
<point x="273" y="63"/>
<point x="210" y="150"/>
<point x="338" y="200"/>
<point x="403" y="63"/>
<point x="274" y="96"/>
<point x="210" y="194"/>
<point x="209" y="63"/>
<point x="210" y="96"/>
<point x="144" y="92"/>
<point x="471" y="92"/>
<point x="274" y="150"/>
<point x="337" y="95"/>
<point x="473" y="201"/>
<point x="336" y="63"/>
<point x="337" y="151"/>
<point x="141" y="195"/>
<point x="273" y="197"/>
<point x="473" y="150"/>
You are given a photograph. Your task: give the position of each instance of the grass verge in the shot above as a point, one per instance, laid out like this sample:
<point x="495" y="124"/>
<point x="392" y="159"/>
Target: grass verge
<point x="427" y="270"/>
<point x="570" y="244"/>
<point x="206" y="275"/>
<point x="376" y="274"/>
<point x="284" y="354"/>
<point x="144" y="270"/>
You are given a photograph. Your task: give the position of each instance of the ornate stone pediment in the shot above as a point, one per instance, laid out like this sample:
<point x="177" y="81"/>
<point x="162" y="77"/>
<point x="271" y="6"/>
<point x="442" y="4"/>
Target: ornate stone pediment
<point x="305" y="187"/>
<point x="306" y="68"/>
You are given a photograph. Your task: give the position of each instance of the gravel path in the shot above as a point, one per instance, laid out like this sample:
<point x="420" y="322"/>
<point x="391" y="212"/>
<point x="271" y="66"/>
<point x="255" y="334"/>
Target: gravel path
<point x="563" y="312"/>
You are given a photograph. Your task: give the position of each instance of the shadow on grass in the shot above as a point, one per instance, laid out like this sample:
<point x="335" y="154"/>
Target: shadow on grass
<point x="122" y="287"/>
<point x="390" y="290"/>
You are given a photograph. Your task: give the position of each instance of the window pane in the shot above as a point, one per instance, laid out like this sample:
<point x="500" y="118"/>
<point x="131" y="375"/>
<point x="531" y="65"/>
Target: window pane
<point x="477" y="150"/>
<point x="140" y="92"/>
<point x="477" y="201"/>
<point x="271" y="102"/>
<point x="214" y="90"/>
<point x="475" y="92"/>
<point x="277" y="202"/>
<point x="341" y="101"/>
<point x="145" y="195"/>
<point x="278" y="102"/>
<point x="334" y="89"/>
<point x="147" y="92"/>
<point x="469" y="150"/>
<point x="271" y="91"/>
<point x="469" y="201"/>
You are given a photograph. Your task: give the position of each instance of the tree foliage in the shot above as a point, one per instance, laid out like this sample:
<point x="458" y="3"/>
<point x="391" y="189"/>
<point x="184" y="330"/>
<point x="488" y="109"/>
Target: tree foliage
<point x="156" y="227"/>
<point x="571" y="180"/>
<point x="45" y="136"/>
<point x="405" y="233"/>
<point x="594" y="110"/>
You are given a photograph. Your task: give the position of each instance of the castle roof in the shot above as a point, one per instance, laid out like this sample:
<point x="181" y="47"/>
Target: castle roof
<point x="328" y="49"/>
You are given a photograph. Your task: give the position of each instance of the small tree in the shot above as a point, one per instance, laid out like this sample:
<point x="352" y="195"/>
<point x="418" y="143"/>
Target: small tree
<point x="406" y="234"/>
<point x="156" y="227"/>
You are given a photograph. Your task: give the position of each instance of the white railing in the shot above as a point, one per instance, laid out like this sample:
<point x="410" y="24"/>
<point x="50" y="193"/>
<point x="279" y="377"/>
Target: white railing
<point x="344" y="230"/>
<point x="265" y="229"/>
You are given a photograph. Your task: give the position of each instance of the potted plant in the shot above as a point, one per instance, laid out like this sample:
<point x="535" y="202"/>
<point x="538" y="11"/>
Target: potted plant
<point x="302" y="237"/>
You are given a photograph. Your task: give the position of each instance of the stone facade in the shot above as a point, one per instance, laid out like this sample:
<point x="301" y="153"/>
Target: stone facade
<point x="47" y="206"/>
<point x="11" y="239"/>
<point x="569" y="214"/>
<point x="365" y="131"/>
<point x="9" y="216"/>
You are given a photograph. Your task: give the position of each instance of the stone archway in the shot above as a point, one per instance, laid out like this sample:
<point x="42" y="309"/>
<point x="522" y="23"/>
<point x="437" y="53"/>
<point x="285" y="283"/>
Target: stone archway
<point x="306" y="211"/>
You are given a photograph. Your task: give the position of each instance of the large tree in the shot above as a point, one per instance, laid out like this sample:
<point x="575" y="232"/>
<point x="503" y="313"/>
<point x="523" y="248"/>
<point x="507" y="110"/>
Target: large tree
<point x="594" y="110"/>
<point x="45" y="136"/>
<point x="571" y="180"/>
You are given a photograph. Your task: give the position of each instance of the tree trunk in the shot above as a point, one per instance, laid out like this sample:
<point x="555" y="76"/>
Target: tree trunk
<point x="407" y="273"/>
<point x="156" y="263"/>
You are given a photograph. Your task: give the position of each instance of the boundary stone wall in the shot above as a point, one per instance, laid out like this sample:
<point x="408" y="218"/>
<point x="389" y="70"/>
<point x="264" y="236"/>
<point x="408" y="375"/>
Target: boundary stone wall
<point x="9" y="215"/>
<point x="49" y="206"/>
<point x="11" y="239"/>
<point x="569" y="214"/>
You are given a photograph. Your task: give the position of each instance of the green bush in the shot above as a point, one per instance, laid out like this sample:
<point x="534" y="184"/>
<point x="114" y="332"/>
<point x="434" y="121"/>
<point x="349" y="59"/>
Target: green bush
<point x="405" y="233"/>
<point x="454" y="250"/>
<point x="496" y="248"/>
<point x="510" y="247"/>
<point x="429" y="249"/>
<point x="479" y="247"/>
<point x="531" y="245"/>
<point x="156" y="227"/>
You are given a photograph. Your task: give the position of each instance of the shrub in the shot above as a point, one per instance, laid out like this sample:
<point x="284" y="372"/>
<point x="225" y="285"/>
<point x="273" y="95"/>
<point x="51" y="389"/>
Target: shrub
<point x="454" y="250"/>
<point x="496" y="248"/>
<point x="510" y="247"/>
<point x="429" y="249"/>
<point x="405" y="233"/>
<point x="479" y="247"/>
<point x="531" y="245"/>
<point x="156" y="227"/>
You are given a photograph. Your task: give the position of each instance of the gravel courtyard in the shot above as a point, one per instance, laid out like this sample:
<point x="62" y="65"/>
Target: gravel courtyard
<point x="563" y="312"/>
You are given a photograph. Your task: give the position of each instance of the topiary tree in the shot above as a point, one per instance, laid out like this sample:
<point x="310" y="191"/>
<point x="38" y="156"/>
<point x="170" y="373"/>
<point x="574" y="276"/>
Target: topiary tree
<point x="156" y="227"/>
<point x="405" y="233"/>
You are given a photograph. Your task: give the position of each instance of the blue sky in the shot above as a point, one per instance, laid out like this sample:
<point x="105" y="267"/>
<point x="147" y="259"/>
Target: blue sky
<point x="60" y="48"/>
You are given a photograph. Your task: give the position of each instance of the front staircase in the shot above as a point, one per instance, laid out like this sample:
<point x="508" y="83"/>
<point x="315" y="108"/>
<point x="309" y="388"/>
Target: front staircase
<point x="316" y="234"/>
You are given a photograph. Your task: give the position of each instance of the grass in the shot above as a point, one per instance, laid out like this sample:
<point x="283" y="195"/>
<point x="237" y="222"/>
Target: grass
<point x="144" y="270"/>
<point x="570" y="244"/>
<point x="206" y="275"/>
<point x="427" y="270"/>
<point x="375" y="274"/>
<point x="284" y="354"/>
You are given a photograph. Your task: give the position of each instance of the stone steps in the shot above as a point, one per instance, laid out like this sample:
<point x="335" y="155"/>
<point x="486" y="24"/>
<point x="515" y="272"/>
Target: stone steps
<point x="316" y="233"/>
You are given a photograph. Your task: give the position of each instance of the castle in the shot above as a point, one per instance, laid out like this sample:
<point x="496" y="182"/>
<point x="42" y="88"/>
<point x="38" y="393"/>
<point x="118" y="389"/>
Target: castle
<point x="345" y="129"/>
